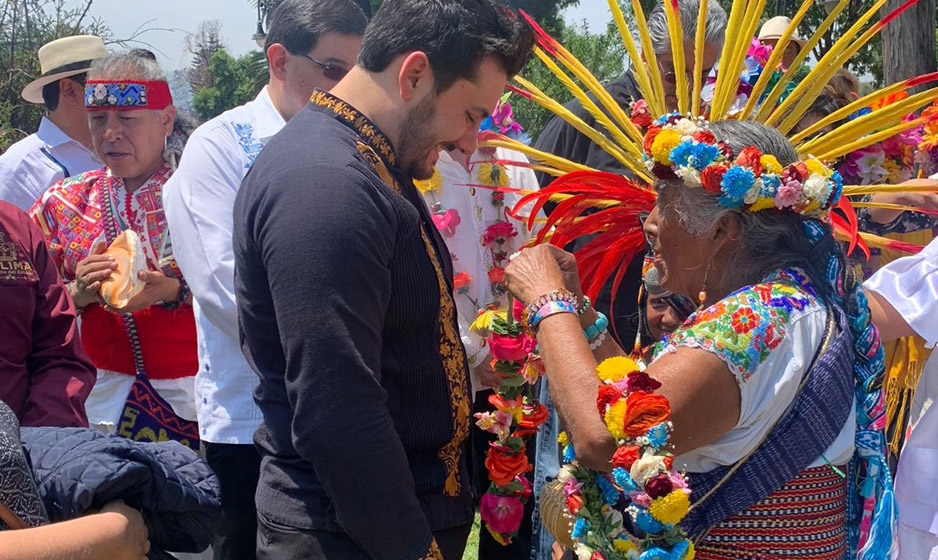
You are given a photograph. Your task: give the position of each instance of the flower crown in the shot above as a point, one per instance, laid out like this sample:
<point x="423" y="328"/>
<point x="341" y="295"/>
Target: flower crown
<point x="679" y="147"/>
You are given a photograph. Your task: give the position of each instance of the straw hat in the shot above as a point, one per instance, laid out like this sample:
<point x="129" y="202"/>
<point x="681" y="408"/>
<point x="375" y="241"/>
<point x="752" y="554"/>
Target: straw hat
<point x="775" y="27"/>
<point x="63" y="58"/>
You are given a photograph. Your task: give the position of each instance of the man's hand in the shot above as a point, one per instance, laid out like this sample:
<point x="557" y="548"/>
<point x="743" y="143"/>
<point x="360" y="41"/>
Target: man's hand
<point x="89" y="274"/>
<point x="158" y="288"/>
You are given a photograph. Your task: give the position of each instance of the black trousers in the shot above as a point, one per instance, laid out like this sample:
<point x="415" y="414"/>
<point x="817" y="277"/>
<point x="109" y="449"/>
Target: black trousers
<point x="238" y="468"/>
<point x="278" y="542"/>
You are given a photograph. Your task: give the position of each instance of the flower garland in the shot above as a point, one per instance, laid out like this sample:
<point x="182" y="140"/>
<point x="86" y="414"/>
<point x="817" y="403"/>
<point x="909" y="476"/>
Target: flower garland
<point x="634" y="512"/>
<point x="678" y="147"/>
<point x="517" y="416"/>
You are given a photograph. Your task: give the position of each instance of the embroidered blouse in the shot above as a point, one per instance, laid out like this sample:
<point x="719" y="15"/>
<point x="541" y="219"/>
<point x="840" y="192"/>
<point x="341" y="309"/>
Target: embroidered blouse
<point x="70" y="216"/>
<point x="766" y="334"/>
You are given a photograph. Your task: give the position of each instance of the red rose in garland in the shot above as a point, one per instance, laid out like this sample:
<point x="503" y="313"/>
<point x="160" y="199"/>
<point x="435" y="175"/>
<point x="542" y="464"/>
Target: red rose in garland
<point x="505" y="464"/>
<point x="643" y="411"/>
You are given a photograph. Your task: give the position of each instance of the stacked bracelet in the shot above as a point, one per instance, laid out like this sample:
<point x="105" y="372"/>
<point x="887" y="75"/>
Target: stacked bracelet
<point x="181" y="297"/>
<point x="527" y="317"/>
<point x="598" y="328"/>
<point x="548" y="309"/>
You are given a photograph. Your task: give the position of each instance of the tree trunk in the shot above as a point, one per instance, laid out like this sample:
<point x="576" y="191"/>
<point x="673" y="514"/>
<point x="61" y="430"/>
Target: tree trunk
<point x="909" y="42"/>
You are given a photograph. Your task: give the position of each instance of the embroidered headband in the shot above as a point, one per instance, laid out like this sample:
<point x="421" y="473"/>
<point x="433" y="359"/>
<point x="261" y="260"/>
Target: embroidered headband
<point x="106" y="95"/>
<point x="679" y="147"/>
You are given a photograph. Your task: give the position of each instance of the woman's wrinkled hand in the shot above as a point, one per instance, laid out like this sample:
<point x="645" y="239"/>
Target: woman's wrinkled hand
<point x="89" y="274"/>
<point x="158" y="288"/>
<point x="536" y="271"/>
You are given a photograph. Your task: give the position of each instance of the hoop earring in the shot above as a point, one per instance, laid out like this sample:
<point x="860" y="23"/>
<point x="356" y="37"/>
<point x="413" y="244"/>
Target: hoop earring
<point x="702" y="294"/>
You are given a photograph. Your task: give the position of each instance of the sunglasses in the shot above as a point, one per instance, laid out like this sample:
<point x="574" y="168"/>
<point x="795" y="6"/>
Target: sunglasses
<point x="330" y="70"/>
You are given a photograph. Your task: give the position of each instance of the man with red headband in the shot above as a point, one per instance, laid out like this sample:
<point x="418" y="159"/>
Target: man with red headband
<point x="144" y="348"/>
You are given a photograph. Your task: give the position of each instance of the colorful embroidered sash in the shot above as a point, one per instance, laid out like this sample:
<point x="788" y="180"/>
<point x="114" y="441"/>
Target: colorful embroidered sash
<point x="146" y="415"/>
<point x="807" y="429"/>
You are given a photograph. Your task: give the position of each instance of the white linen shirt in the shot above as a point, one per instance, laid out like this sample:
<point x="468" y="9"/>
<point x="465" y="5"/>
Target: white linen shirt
<point x="910" y="285"/>
<point x="199" y="203"/>
<point x="35" y="163"/>
<point x="476" y="214"/>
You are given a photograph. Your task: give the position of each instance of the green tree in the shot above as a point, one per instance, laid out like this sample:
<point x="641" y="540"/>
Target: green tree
<point x="234" y="82"/>
<point x="26" y="25"/>
<point x="602" y="53"/>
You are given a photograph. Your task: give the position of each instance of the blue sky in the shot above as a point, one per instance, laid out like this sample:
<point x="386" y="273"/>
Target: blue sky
<point x="170" y="20"/>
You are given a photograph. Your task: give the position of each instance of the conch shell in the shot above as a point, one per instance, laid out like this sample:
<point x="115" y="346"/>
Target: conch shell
<point x="124" y="283"/>
<point x="554" y="513"/>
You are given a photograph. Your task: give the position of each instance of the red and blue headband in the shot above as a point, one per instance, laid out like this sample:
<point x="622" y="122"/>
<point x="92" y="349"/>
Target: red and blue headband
<point x="128" y="95"/>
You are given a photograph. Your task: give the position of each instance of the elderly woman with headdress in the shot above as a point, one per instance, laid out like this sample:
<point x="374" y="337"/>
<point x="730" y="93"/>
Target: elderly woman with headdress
<point x="108" y="234"/>
<point x="772" y="381"/>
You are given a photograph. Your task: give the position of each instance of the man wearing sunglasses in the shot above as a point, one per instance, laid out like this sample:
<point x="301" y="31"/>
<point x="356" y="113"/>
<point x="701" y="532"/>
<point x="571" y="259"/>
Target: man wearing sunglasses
<point x="310" y="44"/>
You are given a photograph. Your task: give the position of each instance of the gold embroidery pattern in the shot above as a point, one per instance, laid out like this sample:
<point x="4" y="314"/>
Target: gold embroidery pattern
<point x="360" y="123"/>
<point x="434" y="552"/>
<point x="451" y="349"/>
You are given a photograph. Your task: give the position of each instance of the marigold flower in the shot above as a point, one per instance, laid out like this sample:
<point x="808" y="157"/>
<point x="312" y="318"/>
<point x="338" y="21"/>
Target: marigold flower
<point x="671" y="508"/>
<point x="770" y="164"/>
<point x="615" y="419"/>
<point x="615" y="368"/>
<point x="665" y="142"/>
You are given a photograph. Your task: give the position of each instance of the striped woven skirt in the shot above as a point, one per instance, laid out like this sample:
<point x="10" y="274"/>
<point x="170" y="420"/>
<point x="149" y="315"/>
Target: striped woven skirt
<point x="804" y="519"/>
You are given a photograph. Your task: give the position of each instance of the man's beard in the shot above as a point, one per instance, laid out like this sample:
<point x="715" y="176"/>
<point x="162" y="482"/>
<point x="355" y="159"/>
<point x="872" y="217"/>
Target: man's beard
<point x="416" y="140"/>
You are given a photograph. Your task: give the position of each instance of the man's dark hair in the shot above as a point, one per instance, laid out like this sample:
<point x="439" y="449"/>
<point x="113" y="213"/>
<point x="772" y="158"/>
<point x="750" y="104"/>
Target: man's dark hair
<point x="454" y="34"/>
<point x="298" y="24"/>
<point x="50" y="92"/>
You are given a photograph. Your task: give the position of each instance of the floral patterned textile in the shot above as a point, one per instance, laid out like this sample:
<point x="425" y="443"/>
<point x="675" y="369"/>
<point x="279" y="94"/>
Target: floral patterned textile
<point x="743" y="328"/>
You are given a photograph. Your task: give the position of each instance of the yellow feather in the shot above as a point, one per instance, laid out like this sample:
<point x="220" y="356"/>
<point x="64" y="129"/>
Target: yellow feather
<point x="655" y="106"/>
<point x="845" y="149"/>
<point x="651" y="62"/>
<point x="858" y="190"/>
<point x="829" y="64"/>
<point x="676" y="33"/>
<point x="768" y="104"/>
<point x="698" y="56"/>
<point x="775" y="59"/>
<point x="555" y="162"/>
<point x="868" y="123"/>
<point x="591" y="107"/>
<point x="636" y="165"/>
<point x="729" y="43"/>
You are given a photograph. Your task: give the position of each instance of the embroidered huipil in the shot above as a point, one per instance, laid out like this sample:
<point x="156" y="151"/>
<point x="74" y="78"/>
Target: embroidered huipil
<point x="345" y="306"/>
<point x="766" y="334"/>
<point x="464" y="215"/>
<point x="199" y="200"/>
<point x="39" y="161"/>
<point x="70" y="215"/>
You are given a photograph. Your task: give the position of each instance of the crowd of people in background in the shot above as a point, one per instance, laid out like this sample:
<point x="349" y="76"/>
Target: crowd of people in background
<point x="272" y="312"/>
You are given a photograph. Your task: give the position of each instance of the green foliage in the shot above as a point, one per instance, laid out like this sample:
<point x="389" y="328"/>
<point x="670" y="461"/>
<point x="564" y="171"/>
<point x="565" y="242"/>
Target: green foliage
<point x="26" y="25"/>
<point x="235" y="81"/>
<point x="602" y="53"/>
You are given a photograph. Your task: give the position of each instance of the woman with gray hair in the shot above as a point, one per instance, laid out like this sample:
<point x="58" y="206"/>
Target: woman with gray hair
<point x="766" y="379"/>
<point x="108" y="235"/>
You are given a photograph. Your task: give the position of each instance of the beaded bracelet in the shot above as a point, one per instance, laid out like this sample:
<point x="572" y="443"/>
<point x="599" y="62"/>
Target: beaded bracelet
<point x="180" y="298"/>
<point x="551" y="308"/>
<point x="585" y="306"/>
<point x="599" y="341"/>
<point x="598" y="328"/>
<point x="557" y="295"/>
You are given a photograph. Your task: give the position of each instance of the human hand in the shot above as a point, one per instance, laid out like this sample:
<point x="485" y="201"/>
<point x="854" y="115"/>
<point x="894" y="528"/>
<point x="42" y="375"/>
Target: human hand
<point x="89" y="274"/>
<point x="130" y="528"/>
<point x="487" y="376"/>
<point x="924" y="200"/>
<point x="158" y="287"/>
<point x="540" y="270"/>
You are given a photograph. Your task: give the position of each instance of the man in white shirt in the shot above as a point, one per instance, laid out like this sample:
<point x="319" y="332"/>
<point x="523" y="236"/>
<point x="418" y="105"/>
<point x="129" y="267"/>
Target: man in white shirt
<point x="61" y="146"/>
<point x="310" y="44"/>
<point x="903" y="302"/>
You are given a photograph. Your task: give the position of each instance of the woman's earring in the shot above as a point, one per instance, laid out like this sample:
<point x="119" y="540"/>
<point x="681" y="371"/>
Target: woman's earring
<point x="702" y="294"/>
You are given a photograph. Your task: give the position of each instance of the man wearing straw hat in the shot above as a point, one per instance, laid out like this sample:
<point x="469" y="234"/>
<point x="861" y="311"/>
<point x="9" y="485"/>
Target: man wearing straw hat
<point x="60" y="147"/>
<point x="771" y="32"/>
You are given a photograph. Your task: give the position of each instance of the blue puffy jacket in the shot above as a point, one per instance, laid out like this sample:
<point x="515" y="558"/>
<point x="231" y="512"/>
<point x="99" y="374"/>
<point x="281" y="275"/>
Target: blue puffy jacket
<point x="78" y="469"/>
